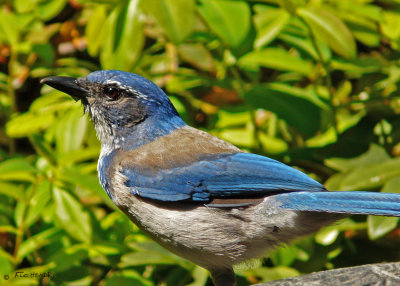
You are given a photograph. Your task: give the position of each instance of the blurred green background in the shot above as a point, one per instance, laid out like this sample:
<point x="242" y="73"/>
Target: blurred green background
<point x="311" y="83"/>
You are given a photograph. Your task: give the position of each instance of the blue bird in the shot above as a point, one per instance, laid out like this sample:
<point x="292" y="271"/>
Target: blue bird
<point x="195" y="194"/>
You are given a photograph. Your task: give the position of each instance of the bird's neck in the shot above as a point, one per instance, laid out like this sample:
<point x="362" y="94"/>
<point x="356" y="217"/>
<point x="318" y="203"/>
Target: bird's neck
<point x="132" y="137"/>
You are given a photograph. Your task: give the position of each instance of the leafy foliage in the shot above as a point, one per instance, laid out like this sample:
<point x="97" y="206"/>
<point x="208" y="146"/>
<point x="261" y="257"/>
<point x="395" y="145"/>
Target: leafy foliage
<point x="312" y="83"/>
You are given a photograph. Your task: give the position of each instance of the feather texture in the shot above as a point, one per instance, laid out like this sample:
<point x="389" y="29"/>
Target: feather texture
<point x="368" y="203"/>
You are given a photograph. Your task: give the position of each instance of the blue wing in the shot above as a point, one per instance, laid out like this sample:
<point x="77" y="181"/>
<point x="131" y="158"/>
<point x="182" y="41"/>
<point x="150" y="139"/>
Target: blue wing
<point x="239" y="175"/>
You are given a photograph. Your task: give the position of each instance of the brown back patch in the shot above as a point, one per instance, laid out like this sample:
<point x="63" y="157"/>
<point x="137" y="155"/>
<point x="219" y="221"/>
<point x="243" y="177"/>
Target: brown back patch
<point x="181" y="147"/>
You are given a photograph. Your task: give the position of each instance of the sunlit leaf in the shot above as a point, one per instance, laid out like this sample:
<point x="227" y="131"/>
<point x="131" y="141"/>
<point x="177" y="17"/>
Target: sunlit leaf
<point x="127" y="277"/>
<point x="66" y="258"/>
<point x="197" y="55"/>
<point x="46" y="10"/>
<point x="273" y="273"/>
<point x="329" y="29"/>
<point x="95" y="29"/>
<point x="123" y="37"/>
<point x="16" y="169"/>
<point x="327" y="236"/>
<point x="37" y="202"/>
<point x="302" y="114"/>
<point x="378" y="226"/>
<point x="71" y="130"/>
<point x="9" y="31"/>
<point x="230" y="20"/>
<point x="36" y="242"/>
<point x="176" y="17"/>
<point x="269" y="24"/>
<point x="369" y="176"/>
<point x="375" y="154"/>
<point x="276" y="58"/>
<point x="71" y="215"/>
<point x="86" y="181"/>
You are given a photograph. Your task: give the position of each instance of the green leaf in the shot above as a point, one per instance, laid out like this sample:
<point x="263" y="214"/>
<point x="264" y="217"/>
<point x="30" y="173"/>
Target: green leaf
<point x="176" y="17"/>
<point x="71" y="130"/>
<point x="37" y="202"/>
<point x="28" y="123"/>
<point x="285" y="255"/>
<point x="43" y="148"/>
<point x="71" y="215"/>
<point x="391" y="24"/>
<point x="9" y="31"/>
<point x="80" y="155"/>
<point x="68" y="257"/>
<point x="5" y="266"/>
<point x="123" y="37"/>
<point x="269" y="23"/>
<point x="304" y="44"/>
<point x="392" y="186"/>
<point x="327" y="236"/>
<point x="16" y="169"/>
<point x="127" y="277"/>
<point x="11" y="190"/>
<point x="364" y="30"/>
<point x="370" y="176"/>
<point x="378" y="226"/>
<point x="197" y="55"/>
<point x="375" y="154"/>
<point x="46" y="10"/>
<point x="298" y="112"/>
<point x="230" y="20"/>
<point x="94" y="30"/>
<point x="86" y="181"/>
<point x="329" y="29"/>
<point x="150" y="253"/>
<point x="273" y="273"/>
<point x="200" y="276"/>
<point x="276" y="58"/>
<point x="35" y="242"/>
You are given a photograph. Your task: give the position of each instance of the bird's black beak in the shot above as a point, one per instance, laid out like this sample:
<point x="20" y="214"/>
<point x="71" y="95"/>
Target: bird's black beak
<point x="69" y="85"/>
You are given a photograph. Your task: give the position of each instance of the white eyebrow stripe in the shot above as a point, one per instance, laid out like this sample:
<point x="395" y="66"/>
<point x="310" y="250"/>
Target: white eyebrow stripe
<point x="127" y="88"/>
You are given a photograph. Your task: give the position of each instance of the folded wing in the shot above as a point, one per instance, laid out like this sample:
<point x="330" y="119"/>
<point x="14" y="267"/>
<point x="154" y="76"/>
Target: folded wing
<point x="219" y="176"/>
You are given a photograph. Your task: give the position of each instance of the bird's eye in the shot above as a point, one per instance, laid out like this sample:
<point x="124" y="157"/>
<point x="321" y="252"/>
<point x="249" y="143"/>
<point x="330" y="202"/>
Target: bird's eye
<point x="111" y="92"/>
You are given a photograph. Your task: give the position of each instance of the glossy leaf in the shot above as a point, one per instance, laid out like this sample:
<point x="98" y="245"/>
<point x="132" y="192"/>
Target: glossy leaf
<point x="329" y="29"/>
<point x="371" y="175"/>
<point x="66" y="258"/>
<point x="71" y="216"/>
<point x="9" y="31"/>
<point x="36" y="242"/>
<point x="379" y="226"/>
<point x="175" y="17"/>
<point x="127" y="277"/>
<point x="230" y="20"/>
<point x="197" y="55"/>
<point x="300" y="113"/>
<point x="276" y="58"/>
<point x="16" y="169"/>
<point x="71" y="130"/>
<point x="37" y="202"/>
<point x="95" y="30"/>
<point x="86" y="181"/>
<point x="269" y="24"/>
<point x="375" y="155"/>
<point x="123" y="37"/>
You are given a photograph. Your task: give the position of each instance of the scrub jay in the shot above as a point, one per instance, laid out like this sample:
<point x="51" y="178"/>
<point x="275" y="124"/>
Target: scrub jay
<point x="195" y="194"/>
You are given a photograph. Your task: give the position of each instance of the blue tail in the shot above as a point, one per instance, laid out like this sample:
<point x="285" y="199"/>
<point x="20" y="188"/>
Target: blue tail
<point x="369" y="203"/>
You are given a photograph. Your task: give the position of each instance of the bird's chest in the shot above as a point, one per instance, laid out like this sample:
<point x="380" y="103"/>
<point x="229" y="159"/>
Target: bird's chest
<point x="104" y="169"/>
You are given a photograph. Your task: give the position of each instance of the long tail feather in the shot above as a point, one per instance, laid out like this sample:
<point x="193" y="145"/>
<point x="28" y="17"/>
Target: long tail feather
<point x="369" y="203"/>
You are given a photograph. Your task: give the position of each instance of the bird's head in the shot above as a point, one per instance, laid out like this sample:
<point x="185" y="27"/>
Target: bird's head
<point x="123" y="106"/>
